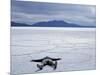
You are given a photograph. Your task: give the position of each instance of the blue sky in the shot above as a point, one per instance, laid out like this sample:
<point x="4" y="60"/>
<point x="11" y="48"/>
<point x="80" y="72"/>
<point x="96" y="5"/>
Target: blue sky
<point x="32" y="12"/>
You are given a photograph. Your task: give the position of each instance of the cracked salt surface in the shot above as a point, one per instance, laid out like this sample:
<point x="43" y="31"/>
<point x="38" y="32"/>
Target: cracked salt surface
<point x="76" y="47"/>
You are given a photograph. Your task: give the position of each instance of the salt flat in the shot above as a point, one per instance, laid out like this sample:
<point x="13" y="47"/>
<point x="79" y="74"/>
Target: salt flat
<point x="76" y="47"/>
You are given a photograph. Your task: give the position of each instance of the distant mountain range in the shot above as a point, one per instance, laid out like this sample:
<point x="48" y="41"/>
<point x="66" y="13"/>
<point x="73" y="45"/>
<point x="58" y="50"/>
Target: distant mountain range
<point x="14" y="24"/>
<point x="54" y="23"/>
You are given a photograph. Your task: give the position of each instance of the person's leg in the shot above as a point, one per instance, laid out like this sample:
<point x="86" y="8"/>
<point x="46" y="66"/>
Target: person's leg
<point x="40" y="67"/>
<point x="55" y="65"/>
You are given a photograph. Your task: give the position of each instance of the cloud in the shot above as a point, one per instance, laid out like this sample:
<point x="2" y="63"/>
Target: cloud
<point x="31" y="12"/>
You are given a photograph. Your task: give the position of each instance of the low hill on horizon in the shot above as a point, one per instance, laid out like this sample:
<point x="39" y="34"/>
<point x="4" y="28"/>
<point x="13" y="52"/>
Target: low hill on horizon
<point x="54" y="23"/>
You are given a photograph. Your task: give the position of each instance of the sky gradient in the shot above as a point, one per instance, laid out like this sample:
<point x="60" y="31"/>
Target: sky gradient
<point x="32" y="12"/>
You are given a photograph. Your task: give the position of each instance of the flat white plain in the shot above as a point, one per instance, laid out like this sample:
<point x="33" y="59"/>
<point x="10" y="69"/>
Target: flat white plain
<point x="76" y="47"/>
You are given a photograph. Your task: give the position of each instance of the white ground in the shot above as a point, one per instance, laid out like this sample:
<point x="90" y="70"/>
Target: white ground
<point x="76" y="47"/>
